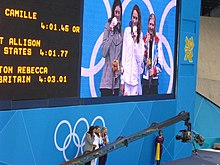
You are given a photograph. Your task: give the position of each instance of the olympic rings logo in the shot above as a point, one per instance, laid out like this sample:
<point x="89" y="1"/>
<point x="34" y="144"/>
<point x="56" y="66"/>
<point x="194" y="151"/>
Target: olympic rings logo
<point x="73" y="136"/>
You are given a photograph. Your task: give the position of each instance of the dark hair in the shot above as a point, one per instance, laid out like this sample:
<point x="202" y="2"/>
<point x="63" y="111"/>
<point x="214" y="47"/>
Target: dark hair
<point x="139" y="26"/>
<point x="115" y="4"/>
<point x="91" y="130"/>
<point x="152" y="16"/>
<point x="96" y="127"/>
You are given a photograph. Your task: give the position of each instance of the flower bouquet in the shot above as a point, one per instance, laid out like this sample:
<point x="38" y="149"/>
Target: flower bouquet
<point x="115" y="70"/>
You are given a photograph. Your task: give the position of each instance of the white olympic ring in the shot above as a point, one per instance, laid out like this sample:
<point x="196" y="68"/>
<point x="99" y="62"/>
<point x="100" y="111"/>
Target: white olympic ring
<point x="74" y="136"/>
<point x="93" y="69"/>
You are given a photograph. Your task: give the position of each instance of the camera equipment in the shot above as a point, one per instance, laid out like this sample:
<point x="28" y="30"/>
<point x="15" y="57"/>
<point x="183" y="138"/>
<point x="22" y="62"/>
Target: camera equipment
<point x="188" y="135"/>
<point x="198" y="138"/>
<point x="185" y="136"/>
<point x="124" y="141"/>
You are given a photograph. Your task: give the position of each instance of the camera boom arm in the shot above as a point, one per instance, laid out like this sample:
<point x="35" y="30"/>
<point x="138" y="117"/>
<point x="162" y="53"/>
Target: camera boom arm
<point x="124" y="141"/>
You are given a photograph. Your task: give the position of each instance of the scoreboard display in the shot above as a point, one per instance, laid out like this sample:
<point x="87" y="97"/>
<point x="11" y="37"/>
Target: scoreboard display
<point x="40" y="47"/>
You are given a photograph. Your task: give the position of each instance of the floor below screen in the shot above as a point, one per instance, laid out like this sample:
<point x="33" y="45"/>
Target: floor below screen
<point x="203" y="157"/>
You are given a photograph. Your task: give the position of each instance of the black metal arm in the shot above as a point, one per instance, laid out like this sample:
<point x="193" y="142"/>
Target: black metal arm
<point x="124" y="141"/>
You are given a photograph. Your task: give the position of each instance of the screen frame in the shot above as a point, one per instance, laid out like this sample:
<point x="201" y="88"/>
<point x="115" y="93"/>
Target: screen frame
<point x="73" y="101"/>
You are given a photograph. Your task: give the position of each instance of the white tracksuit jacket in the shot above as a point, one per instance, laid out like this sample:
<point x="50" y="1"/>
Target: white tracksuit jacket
<point x="131" y="60"/>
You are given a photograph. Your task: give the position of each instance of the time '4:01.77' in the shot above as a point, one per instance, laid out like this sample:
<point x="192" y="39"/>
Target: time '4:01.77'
<point x="54" y="53"/>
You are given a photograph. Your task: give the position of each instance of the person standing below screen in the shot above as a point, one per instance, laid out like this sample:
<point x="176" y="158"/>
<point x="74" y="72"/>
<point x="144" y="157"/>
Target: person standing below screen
<point x="112" y="52"/>
<point x="159" y="146"/>
<point x="89" y="139"/>
<point x="132" y="55"/>
<point x="103" y="142"/>
<point x="152" y="59"/>
<point x="96" y="142"/>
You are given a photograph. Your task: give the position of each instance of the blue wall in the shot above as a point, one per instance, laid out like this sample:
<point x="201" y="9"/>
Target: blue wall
<point x="52" y="135"/>
<point x="187" y="66"/>
<point x="207" y="121"/>
<point x="30" y="136"/>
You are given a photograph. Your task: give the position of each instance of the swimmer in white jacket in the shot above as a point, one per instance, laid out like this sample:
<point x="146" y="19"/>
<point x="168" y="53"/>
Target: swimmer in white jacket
<point x="132" y="56"/>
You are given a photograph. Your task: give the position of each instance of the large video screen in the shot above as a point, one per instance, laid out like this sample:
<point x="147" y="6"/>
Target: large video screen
<point x="99" y="48"/>
<point x="83" y="51"/>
